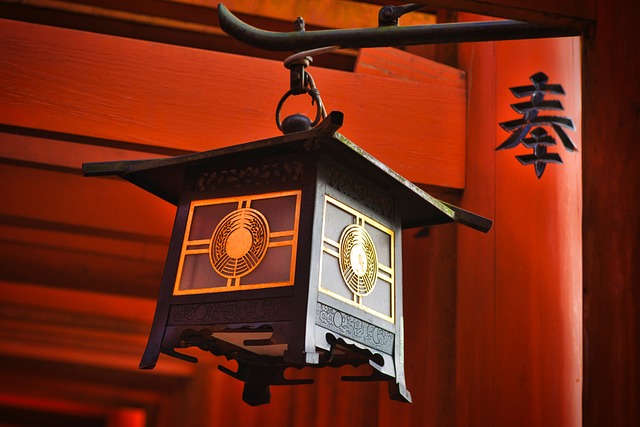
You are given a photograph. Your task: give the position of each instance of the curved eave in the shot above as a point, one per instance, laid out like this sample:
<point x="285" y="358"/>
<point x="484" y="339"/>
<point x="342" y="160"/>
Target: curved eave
<point x="163" y="177"/>
<point x="417" y="207"/>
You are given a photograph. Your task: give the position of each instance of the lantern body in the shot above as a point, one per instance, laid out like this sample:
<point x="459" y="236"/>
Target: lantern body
<point x="285" y="253"/>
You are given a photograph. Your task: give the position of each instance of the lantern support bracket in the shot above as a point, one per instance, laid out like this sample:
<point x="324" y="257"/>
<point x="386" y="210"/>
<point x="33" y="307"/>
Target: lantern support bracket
<point x="388" y="34"/>
<point x="301" y="82"/>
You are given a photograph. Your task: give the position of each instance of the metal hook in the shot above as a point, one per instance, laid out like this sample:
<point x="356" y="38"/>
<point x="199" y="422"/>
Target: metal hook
<point x="389" y="15"/>
<point x="308" y="53"/>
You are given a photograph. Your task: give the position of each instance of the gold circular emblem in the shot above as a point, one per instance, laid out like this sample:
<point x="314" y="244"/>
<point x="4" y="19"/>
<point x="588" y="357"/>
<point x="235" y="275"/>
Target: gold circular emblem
<point x="358" y="260"/>
<point x="239" y="243"/>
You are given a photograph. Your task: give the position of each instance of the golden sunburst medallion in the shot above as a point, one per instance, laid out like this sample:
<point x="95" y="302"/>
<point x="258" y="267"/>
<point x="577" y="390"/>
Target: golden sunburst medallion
<point x="358" y="260"/>
<point x="239" y="243"/>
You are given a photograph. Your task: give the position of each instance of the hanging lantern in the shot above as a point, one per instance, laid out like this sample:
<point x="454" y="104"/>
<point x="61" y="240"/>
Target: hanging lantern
<point x="285" y="252"/>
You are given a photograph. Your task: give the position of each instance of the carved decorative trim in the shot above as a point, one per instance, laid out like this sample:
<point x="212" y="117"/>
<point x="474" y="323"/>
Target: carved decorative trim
<point x="245" y="311"/>
<point x="356" y="189"/>
<point x="265" y="174"/>
<point x="354" y="328"/>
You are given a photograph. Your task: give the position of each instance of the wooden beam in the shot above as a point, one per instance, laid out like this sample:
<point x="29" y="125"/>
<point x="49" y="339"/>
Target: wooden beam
<point x="64" y="230"/>
<point x="401" y="65"/>
<point x="86" y="205"/>
<point x="576" y="14"/>
<point x="85" y="385"/>
<point x="319" y="13"/>
<point x="50" y="150"/>
<point x="69" y="351"/>
<point x="78" y="327"/>
<point x="200" y="16"/>
<point x="57" y="267"/>
<point x="131" y="311"/>
<point x="164" y="96"/>
<point x="158" y="21"/>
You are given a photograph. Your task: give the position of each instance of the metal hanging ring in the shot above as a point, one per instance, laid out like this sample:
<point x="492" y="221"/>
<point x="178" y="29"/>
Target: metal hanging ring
<point x="315" y="98"/>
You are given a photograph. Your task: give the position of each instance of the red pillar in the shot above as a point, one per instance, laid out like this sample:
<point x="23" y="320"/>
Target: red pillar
<point x="612" y="217"/>
<point x="519" y="325"/>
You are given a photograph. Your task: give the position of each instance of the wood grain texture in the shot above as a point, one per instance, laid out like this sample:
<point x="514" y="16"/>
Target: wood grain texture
<point x="451" y="83"/>
<point x="165" y="96"/>
<point x="476" y="263"/>
<point x="53" y="152"/>
<point x="63" y="230"/>
<point x="97" y="98"/>
<point x="429" y="270"/>
<point x="401" y="65"/>
<point x="578" y="14"/>
<point x="538" y="293"/>
<point x="519" y="287"/>
<point x="319" y="13"/>
<point x="611" y="224"/>
<point x="86" y="204"/>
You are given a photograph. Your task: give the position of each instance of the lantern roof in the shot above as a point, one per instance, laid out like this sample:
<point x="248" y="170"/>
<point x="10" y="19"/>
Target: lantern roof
<point x="163" y="177"/>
